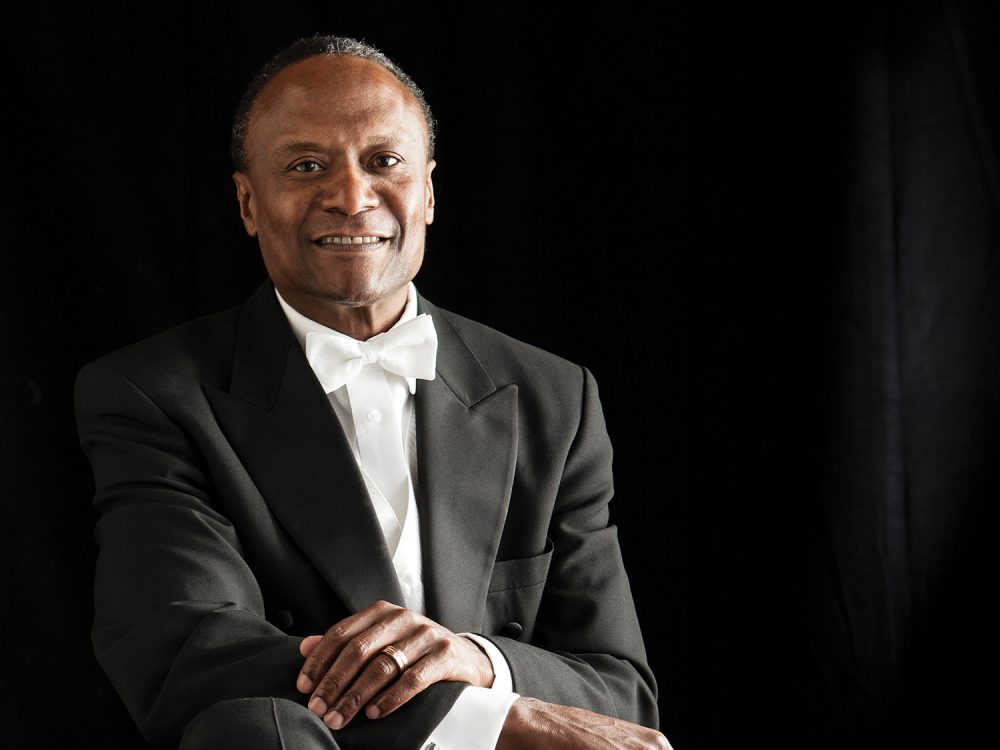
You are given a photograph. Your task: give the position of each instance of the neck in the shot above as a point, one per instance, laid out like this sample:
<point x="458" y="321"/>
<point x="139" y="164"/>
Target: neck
<point x="360" y="322"/>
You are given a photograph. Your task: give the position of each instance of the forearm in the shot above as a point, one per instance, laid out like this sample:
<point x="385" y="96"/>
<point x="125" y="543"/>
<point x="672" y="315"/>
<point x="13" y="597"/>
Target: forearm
<point x="537" y="725"/>
<point x="602" y="683"/>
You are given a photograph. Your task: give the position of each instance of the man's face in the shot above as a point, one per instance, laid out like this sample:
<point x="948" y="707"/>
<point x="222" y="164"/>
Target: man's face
<point x="337" y="187"/>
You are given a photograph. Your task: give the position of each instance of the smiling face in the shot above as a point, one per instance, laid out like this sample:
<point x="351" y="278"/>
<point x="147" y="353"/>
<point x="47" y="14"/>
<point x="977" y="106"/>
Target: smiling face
<point x="338" y="191"/>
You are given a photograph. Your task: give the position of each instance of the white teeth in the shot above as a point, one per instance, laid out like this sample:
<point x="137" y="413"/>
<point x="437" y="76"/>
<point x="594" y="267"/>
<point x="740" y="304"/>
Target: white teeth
<point x="343" y="240"/>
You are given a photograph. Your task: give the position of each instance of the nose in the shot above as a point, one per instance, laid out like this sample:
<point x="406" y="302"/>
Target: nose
<point x="348" y="190"/>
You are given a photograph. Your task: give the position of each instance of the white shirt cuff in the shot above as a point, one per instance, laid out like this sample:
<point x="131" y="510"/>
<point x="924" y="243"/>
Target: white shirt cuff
<point x="474" y="721"/>
<point x="476" y="718"/>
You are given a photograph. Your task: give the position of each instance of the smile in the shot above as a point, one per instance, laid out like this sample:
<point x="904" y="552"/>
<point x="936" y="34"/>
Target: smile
<point x="339" y="239"/>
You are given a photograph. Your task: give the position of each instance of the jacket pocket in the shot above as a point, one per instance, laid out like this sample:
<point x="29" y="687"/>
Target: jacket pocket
<point x="514" y="594"/>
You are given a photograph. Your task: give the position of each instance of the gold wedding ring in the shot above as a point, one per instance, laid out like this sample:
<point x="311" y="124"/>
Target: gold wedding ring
<point x="397" y="656"/>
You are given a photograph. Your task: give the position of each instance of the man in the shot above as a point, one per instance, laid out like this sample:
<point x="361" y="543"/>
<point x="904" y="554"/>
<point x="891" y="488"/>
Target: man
<point x="339" y="516"/>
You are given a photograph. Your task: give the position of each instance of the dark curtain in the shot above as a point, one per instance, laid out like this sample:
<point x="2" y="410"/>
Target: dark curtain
<point x="772" y="235"/>
<point x="904" y="561"/>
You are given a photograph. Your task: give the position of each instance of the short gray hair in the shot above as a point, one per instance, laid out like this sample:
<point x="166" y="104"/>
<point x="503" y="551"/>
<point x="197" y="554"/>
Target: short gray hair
<point x="317" y="45"/>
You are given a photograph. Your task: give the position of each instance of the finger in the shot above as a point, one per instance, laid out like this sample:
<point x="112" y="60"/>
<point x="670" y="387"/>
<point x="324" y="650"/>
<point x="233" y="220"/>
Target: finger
<point x="308" y="644"/>
<point x="441" y="662"/>
<point x="328" y="648"/>
<point x="356" y="655"/>
<point x="349" y="685"/>
<point x="381" y="671"/>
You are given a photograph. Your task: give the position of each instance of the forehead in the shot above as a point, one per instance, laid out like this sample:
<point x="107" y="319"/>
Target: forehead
<point x="341" y="96"/>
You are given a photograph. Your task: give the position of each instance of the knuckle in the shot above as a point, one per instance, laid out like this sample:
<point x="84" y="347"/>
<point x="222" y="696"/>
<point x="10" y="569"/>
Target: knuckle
<point x="385" y="665"/>
<point x="336" y="632"/>
<point x="361" y="647"/>
<point x="390" y="701"/>
<point x="331" y="684"/>
<point x="399" y="617"/>
<point x="447" y="649"/>
<point x="377" y="631"/>
<point x="655" y="741"/>
<point x="310" y="667"/>
<point x="418" y="677"/>
<point x="351" y="700"/>
<point x="398" y="695"/>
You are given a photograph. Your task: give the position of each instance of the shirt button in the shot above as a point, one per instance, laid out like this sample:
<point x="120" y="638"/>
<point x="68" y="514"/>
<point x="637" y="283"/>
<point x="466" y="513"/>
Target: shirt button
<point x="374" y="416"/>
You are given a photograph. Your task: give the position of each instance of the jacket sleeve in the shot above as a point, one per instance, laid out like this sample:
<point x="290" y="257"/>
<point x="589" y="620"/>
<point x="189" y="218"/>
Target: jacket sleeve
<point x="179" y="617"/>
<point x="585" y="648"/>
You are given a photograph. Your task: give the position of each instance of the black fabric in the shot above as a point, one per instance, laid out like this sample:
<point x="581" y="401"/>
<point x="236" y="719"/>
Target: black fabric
<point x="908" y="473"/>
<point x="798" y="208"/>
<point x="257" y="724"/>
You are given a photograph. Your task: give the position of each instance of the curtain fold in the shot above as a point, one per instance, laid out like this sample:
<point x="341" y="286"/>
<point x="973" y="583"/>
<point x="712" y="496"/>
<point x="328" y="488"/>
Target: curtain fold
<point x="910" y="459"/>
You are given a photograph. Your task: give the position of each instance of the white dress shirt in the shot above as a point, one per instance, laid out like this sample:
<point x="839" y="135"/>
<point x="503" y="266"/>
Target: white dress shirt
<point x="475" y="720"/>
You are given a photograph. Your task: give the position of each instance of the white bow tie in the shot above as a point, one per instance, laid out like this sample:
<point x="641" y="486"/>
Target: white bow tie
<point x="409" y="349"/>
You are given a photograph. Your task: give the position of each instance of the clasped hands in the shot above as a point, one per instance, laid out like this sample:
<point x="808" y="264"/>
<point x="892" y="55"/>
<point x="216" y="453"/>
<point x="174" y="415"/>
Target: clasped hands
<point x="347" y="669"/>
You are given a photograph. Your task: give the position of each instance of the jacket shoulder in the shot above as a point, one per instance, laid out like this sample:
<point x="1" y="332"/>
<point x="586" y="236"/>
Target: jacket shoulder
<point x="511" y="361"/>
<point x="493" y="345"/>
<point x="199" y="350"/>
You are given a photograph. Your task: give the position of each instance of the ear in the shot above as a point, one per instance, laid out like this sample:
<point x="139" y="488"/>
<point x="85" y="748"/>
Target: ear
<point x="429" y="191"/>
<point x="244" y="196"/>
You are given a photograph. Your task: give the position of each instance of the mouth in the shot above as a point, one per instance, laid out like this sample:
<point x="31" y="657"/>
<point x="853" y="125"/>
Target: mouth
<point x="349" y="239"/>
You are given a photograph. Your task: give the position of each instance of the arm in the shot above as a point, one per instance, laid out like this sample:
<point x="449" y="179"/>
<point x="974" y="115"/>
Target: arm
<point x="536" y="725"/>
<point x="179" y="615"/>
<point x="586" y="649"/>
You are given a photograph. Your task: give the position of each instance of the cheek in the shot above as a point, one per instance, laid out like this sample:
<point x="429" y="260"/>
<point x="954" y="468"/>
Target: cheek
<point x="283" y="219"/>
<point x="418" y="215"/>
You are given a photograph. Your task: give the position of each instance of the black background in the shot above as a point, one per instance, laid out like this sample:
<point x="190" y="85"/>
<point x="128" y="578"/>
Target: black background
<point x="770" y="233"/>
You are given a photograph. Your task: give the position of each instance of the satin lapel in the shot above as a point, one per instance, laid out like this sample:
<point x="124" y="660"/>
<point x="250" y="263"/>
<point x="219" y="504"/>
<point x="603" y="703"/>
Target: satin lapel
<point x="281" y="425"/>
<point x="467" y="446"/>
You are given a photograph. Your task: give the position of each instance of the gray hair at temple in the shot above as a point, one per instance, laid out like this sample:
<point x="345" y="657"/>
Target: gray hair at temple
<point x="316" y="46"/>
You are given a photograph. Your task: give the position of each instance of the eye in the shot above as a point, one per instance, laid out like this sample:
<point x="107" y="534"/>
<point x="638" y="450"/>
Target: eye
<point x="384" y="161"/>
<point x="308" y="165"/>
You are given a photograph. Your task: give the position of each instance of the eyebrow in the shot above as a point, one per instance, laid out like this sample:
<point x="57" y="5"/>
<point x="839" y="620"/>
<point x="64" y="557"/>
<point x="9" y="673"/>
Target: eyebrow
<point x="297" y="146"/>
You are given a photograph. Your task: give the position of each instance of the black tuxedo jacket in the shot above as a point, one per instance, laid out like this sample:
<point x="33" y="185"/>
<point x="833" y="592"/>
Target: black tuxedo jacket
<point x="234" y="521"/>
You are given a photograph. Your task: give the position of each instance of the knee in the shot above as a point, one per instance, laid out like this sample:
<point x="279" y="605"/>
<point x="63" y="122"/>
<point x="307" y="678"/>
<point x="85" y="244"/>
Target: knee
<point x="256" y="724"/>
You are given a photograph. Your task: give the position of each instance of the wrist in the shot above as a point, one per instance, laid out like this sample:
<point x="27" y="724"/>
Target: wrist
<point x="483" y="665"/>
<point x="533" y="724"/>
<point x="512" y="732"/>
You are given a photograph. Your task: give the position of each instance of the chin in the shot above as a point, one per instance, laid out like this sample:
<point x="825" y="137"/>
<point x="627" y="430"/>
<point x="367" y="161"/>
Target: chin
<point x="353" y="297"/>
